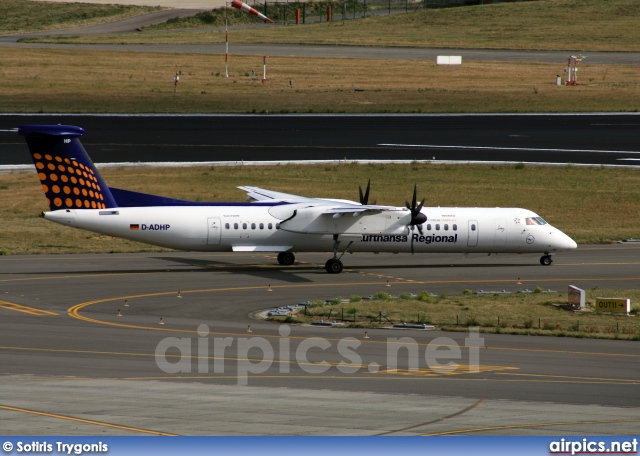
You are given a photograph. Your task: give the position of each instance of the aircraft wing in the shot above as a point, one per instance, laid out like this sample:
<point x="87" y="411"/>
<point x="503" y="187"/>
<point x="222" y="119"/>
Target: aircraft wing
<point x="355" y="210"/>
<point x="334" y="206"/>
<point x="261" y="194"/>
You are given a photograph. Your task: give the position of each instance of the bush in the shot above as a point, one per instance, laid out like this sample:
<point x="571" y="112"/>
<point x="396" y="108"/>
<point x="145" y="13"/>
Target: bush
<point x="425" y="296"/>
<point x="355" y="298"/>
<point x="406" y="296"/>
<point x="383" y="295"/>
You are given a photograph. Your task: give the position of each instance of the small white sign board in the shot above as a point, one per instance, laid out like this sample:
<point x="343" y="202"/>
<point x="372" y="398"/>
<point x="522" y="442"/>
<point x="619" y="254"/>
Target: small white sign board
<point x="449" y="60"/>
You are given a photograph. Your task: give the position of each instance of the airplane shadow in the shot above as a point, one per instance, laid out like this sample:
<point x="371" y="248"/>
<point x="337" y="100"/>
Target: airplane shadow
<point x="266" y="269"/>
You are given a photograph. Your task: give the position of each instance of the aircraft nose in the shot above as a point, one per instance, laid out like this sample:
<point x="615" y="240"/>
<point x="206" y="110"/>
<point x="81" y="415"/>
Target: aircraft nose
<point x="565" y="242"/>
<point x="571" y="243"/>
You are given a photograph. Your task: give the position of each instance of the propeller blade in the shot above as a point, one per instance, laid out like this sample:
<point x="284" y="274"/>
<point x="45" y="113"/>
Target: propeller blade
<point x="417" y="217"/>
<point x="364" y="199"/>
<point x="415" y="196"/>
<point x="412" y="239"/>
<point x="420" y="230"/>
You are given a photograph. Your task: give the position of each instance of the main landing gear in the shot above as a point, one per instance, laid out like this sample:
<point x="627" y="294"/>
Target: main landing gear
<point x="334" y="265"/>
<point x="546" y="260"/>
<point x="286" y="258"/>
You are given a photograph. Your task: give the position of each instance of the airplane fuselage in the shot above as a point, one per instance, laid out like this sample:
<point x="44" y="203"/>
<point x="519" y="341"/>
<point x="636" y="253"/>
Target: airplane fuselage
<point x="254" y="228"/>
<point x="278" y="222"/>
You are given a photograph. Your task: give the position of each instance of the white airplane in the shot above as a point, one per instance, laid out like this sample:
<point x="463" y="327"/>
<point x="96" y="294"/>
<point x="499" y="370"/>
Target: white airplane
<point x="273" y="222"/>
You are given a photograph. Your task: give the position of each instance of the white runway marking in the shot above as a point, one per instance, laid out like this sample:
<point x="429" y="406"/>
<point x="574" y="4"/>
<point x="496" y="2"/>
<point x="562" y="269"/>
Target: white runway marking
<point x="435" y="146"/>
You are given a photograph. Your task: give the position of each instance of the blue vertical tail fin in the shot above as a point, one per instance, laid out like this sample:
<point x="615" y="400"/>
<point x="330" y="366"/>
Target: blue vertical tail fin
<point x="69" y="178"/>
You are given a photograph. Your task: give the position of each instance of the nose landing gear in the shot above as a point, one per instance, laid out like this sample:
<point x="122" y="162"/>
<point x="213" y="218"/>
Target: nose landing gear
<point x="334" y="265"/>
<point x="546" y="260"/>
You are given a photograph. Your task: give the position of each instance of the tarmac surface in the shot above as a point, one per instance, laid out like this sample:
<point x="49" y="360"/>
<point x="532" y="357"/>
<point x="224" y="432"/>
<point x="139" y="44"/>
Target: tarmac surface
<point x="71" y="365"/>
<point x="589" y="139"/>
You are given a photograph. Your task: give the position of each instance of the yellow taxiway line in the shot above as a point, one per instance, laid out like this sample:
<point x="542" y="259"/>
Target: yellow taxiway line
<point x="83" y="420"/>
<point x="25" y="309"/>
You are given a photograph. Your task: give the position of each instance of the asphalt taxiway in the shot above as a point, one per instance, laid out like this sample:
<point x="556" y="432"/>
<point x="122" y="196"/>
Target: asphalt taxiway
<point x="71" y="365"/>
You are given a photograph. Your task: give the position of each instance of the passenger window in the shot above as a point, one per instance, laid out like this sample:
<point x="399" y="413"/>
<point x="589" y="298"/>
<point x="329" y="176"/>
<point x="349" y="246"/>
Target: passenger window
<point x="437" y="227"/>
<point x="277" y="226"/>
<point x="262" y="226"/>
<point x="235" y="226"/>
<point x="455" y="227"/>
<point x="253" y="226"/>
<point x="270" y="226"/>
<point x="429" y="226"/>
<point x="446" y="227"/>
<point x="226" y="226"/>
<point x="473" y="227"/>
<point x="244" y="226"/>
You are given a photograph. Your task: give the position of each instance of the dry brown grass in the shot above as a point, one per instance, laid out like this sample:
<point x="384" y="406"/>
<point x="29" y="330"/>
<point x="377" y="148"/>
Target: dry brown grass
<point x="107" y="81"/>
<point x="572" y="25"/>
<point x="592" y="205"/>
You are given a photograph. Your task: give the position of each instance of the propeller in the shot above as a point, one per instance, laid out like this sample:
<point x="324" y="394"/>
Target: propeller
<point x="417" y="217"/>
<point x="364" y="199"/>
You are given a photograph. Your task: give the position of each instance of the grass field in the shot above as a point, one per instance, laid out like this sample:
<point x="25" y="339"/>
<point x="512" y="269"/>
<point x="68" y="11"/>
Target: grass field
<point x="19" y="16"/>
<point x="592" y="205"/>
<point x="108" y="81"/>
<point x="532" y="313"/>
<point x="44" y="80"/>
<point x="571" y="25"/>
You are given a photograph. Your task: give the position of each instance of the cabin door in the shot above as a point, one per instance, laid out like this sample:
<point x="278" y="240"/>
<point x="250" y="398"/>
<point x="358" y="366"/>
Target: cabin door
<point x="472" y="240"/>
<point x="213" y="234"/>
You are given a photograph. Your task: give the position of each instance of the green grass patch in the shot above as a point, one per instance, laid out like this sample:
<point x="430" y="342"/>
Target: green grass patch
<point x="20" y="16"/>
<point x="592" y="205"/>
<point x="517" y="313"/>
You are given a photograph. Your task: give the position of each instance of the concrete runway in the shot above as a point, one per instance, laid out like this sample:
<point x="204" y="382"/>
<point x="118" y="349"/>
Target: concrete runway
<point x="593" y="139"/>
<point x="70" y="365"/>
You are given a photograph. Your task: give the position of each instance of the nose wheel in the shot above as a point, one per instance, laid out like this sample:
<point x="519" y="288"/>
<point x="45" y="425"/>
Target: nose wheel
<point x="546" y="260"/>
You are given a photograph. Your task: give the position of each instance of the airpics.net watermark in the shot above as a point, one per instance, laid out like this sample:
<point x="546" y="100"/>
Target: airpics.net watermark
<point x="256" y="355"/>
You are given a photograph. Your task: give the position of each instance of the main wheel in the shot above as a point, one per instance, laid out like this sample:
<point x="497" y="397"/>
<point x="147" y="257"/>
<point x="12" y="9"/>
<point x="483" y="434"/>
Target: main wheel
<point x="546" y="260"/>
<point x="286" y="258"/>
<point x="333" y="266"/>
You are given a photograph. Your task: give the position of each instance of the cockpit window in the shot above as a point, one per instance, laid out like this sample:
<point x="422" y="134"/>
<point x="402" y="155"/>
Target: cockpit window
<point x="536" y="221"/>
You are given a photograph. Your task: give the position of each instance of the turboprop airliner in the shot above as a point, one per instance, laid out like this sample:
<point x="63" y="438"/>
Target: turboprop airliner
<point x="271" y="221"/>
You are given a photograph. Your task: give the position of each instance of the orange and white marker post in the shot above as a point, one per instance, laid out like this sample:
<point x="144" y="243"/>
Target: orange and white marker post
<point x="226" y="44"/>
<point x="264" y="72"/>
<point x="247" y="9"/>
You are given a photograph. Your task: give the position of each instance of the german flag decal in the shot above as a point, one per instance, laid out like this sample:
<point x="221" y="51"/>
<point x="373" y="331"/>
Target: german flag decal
<point x="134" y="227"/>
